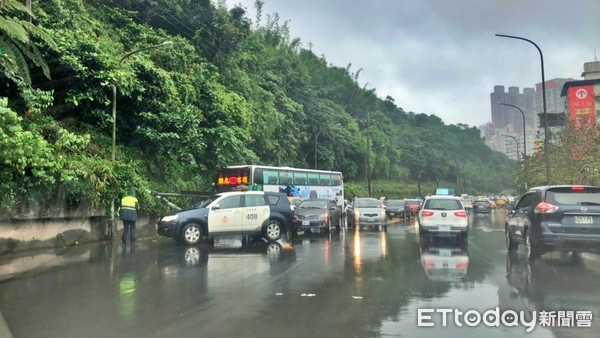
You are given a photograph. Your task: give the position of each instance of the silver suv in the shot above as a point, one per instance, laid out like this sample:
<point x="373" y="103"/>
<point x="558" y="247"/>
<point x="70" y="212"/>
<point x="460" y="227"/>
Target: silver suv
<point x="443" y="215"/>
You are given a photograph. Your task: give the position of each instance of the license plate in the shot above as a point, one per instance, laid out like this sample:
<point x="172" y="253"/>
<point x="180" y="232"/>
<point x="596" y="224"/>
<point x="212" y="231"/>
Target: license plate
<point x="305" y="222"/>
<point x="315" y="230"/>
<point x="584" y="220"/>
<point x="392" y="214"/>
<point x="445" y="252"/>
<point x="444" y="228"/>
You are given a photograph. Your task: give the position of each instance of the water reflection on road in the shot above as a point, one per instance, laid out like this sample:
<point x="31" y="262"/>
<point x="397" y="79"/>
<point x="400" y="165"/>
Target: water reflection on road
<point x="342" y="284"/>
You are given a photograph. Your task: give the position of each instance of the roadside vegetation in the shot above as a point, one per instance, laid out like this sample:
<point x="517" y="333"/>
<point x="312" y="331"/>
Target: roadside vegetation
<point x="228" y="90"/>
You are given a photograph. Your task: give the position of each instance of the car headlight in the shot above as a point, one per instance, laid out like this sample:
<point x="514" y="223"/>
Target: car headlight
<point x="169" y="218"/>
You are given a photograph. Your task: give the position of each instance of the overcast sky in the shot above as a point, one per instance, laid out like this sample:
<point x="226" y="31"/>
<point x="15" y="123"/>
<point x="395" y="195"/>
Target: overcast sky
<point x="441" y="56"/>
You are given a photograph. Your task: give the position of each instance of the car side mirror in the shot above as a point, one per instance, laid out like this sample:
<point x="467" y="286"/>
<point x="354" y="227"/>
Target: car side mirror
<point x="215" y="207"/>
<point x="510" y="206"/>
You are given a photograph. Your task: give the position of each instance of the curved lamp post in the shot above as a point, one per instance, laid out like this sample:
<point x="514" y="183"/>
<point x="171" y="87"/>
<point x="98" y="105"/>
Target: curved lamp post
<point x="114" y="116"/>
<point x="546" y="131"/>
<point x="317" y="138"/>
<point x="524" y="138"/>
<point x="516" y="141"/>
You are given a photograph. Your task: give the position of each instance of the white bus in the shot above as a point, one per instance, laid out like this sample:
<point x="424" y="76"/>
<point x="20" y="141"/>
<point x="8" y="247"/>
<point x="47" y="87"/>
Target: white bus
<point x="294" y="182"/>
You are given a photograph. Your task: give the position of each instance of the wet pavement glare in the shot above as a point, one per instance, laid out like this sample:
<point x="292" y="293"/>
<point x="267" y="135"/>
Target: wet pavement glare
<point x="343" y="284"/>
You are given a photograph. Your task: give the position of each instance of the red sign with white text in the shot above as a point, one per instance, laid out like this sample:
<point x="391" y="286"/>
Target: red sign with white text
<point x="582" y="106"/>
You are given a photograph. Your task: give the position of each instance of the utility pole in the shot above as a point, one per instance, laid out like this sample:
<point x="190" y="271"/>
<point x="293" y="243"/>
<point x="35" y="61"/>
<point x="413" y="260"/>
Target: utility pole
<point x="28" y="5"/>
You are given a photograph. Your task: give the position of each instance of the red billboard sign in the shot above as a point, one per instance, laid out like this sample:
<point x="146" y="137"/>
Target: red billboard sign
<point x="582" y="106"/>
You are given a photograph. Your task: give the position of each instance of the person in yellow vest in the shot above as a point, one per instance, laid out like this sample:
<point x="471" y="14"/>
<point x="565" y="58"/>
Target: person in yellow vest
<point x="128" y="214"/>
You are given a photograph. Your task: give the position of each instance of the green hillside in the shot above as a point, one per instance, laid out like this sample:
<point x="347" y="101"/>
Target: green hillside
<point x="228" y="90"/>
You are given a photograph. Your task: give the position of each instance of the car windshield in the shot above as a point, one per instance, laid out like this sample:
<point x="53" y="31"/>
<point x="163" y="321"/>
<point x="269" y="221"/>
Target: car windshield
<point x="308" y="204"/>
<point x="367" y="203"/>
<point x="395" y="203"/>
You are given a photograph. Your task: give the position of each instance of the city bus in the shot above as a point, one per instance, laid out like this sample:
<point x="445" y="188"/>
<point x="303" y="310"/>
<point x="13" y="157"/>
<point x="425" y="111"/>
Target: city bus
<point x="294" y="182"/>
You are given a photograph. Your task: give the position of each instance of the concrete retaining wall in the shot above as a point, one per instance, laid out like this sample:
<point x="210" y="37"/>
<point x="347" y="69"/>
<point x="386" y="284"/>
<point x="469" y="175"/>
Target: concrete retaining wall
<point x="24" y="234"/>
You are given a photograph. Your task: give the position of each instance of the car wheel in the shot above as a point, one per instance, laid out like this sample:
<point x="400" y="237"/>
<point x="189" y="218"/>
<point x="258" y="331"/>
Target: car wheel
<point x="191" y="234"/>
<point x="273" y="230"/>
<point x="531" y="249"/>
<point x="511" y="245"/>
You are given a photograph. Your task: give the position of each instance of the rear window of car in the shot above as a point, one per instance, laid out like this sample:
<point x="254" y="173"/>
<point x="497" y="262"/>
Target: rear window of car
<point x="482" y="202"/>
<point x="273" y="199"/>
<point x="570" y="196"/>
<point x="443" y="204"/>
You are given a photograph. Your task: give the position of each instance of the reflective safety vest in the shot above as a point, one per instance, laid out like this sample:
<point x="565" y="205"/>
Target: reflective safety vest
<point x="128" y="209"/>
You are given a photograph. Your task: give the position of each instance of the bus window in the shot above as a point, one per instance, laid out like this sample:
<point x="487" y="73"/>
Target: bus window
<point x="271" y="177"/>
<point x="325" y="179"/>
<point x="258" y="176"/>
<point x="313" y="179"/>
<point x="300" y="178"/>
<point x="336" y="180"/>
<point x="286" y="178"/>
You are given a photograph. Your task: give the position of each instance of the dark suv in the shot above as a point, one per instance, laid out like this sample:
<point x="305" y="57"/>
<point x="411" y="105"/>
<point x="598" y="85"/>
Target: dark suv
<point x="256" y="213"/>
<point x="555" y="218"/>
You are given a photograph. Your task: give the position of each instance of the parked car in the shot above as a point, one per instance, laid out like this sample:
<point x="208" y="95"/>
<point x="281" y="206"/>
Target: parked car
<point x="555" y="218"/>
<point x="443" y="215"/>
<point x="482" y="207"/>
<point x="396" y="208"/>
<point x="318" y="215"/>
<point x="365" y="213"/>
<point x="256" y="213"/>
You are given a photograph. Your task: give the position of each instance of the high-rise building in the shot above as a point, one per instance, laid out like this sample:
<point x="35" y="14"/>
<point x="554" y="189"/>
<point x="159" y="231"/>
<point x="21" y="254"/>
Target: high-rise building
<point x="503" y="116"/>
<point x="555" y="104"/>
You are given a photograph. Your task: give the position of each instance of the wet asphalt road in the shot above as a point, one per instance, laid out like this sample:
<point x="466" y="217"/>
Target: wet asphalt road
<point x="346" y="284"/>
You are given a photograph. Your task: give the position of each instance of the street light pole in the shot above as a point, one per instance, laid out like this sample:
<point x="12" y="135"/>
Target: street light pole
<point x="546" y="131"/>
<point x="524" y="139"/>
<point x="317" y="137"/>
<point x="114" y="118"/>
<point x="516" y="141"/>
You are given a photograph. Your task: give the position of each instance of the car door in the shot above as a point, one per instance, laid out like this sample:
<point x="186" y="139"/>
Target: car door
<point x="226" y="215"/>
<point x="256" y="212"/>
<point x="521" y="214"/>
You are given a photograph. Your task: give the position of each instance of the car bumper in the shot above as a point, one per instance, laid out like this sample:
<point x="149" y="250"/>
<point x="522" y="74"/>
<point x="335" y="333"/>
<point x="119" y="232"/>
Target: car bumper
<point x="313" y="225"/>
<point x="167" y="229"/>
<point x="570" y="242"/>
<point x="394" y="213"/>
<point x="441" y="229"/>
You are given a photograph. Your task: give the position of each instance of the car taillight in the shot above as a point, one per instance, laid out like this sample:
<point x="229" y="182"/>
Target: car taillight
<point x="460" y="214"/>
<point x="294" y="219"/>
<point x="426" y="213"/>
<point x="427" y="264"/>
<point x="462" y="265"/>
<point x="545" y="208"/>
<point x="577" y="188"/>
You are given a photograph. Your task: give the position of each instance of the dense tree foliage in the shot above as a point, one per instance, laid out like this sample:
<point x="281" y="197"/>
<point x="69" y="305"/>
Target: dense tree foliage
<point x="227" y="91"/>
